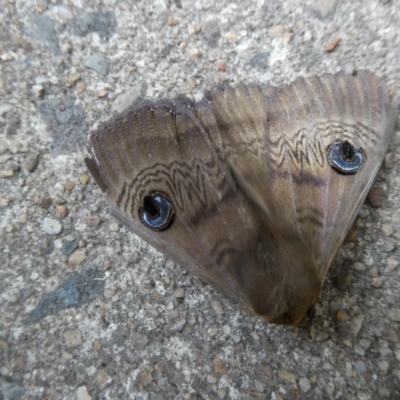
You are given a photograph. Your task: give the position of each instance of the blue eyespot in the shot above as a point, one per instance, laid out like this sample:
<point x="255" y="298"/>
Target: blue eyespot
<point x="157" y="212"/>
<point x="345" y="158"/>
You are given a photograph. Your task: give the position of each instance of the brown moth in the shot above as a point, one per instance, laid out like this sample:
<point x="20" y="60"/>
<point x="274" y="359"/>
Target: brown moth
<point x="254" y="188"/>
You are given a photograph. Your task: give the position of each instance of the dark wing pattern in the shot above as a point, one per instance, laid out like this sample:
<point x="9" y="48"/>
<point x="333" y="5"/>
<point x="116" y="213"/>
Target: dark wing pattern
<point x="256" y="209"/>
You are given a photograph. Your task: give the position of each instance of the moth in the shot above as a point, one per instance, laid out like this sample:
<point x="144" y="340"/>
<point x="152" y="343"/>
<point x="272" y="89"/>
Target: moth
<point x="253" y="189"/>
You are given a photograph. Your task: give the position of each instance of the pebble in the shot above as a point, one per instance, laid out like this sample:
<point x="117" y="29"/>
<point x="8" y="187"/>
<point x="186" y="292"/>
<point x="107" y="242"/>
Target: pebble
<point x="304" y="384"/>
<point x="73" y="338"/>
<point x="219" y="366"/>
<point x="356" y="324"/>
<point x="51" y="226"/>
<point x="6" y="173"/>
<point x="178" y="325"/>
<point x="38" y="90"/>
<point x="77" y="258"/>
<point x="392" y="263"/>
<point x="98" y="63"/>
<point x="70" y="247"/>
<point x="84" y="179"/>
<point x="70" y="185"/>
<point x="376" y="197"/>
<point x="211" y="379"/>
<point x="259" y="386"/>
<point x="287" y="376"/>
<point x="342" y="316"/>
<point x="47" y="33"/>
<point x="82" y="393"/>
<point x="130" y="96"/>
<point x="217" y="306"/>
<point x="101" y="94"/>
<point x="360" y="367"/>
<point x="179" y="293"/>
<point x="31" y="161"/>
<point x="4" y="158"/>
<point x="387" y="229"/>
<point x="394" y="314"/>
<point x="114" y="227"/>
<point x="332" y="45"/>
<point x="80" y="86"/>
<point x="227" y="329"/>
<point x="62" y="210"/>
<point x="324" y="8"/>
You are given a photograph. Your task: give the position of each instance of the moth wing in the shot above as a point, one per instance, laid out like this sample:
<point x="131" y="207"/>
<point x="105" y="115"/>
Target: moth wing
<point x="282" y="166"/>
<point x="167" y="149"/>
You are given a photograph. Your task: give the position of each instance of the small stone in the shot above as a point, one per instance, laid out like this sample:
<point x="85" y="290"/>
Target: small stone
<point x="387" y="229"/>
<point x="82" y="393"/>
<point x="385" y="351"/>
<point x="356" y="324"/>
<point x="342" y="316"/>
<point x="227" y="329"/>
<point x="70" y="80"/>
<point x="304" y="384"/>
<point x="178" y="325"/>
<point x="114" y="227"/>
<point x="191" y="29"/>
<point x="62" y="210"/>
<point x="195" y="53"/>
<point x="333" y="44"/>
<point x="77" y="257"/>
<point x="211" y="379"/>
<point x="92" y="220"/>
<point x="217" y="306"/>
<point x="360" y="367"/>
<point x="259" y="386"/>
<point x="383" y="365"/>
<point x="73" y="338"/>
<point x="31" y="161"/>
<point x="376" y="197"/>
<point x="98" y="63"/>
<point x="6" y="57"/>
<point x="101" y="94"/>
<point x="231" y="37"/>
<point x="51" y="226"/>
<point x="377" y="282"/>
<point x="4" y="158"/>
<point x="81" y="87"/>
<point x="287" y="376"/>
<point x="307" y="36"/>
<point x="172" y="21"/>
<point x="179" y="293"/>
<point x="236" y="338"/>
<point x="351" y="236"/>
<point x="70" y="185"/>
<point x="324" y="8"/>
<point x="392" y="263"/>
<point x="347" y="342"/>
<point x="84" y="179"/>
<point x="38" y="91"/>
<point x="44" y="202"/>
<point x="358" y="350"/>
<point x="394" y="314"/>
<point x="219" y="366"/>
<point x="4" y="202"/>
<point x="6" y="173"/>
<point x="130" y="96"/>
<point x="69" y="247"/>
<point x="34" y="276"/>
<point x="287" y="37"/>
<point x="222" y="66"/>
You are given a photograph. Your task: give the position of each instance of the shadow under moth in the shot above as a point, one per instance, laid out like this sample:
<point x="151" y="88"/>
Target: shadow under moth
<point x="253" y="189"/>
